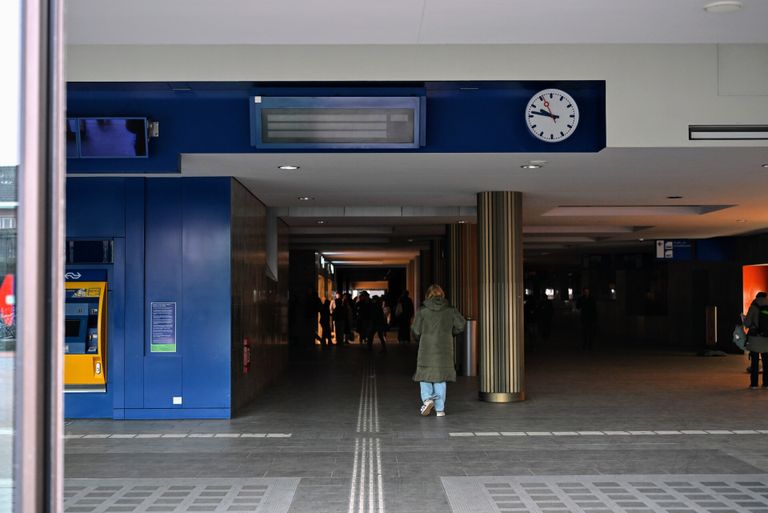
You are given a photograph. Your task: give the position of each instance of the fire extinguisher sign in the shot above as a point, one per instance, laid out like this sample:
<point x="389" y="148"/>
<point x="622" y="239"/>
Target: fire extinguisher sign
<point x="246" y="356"/>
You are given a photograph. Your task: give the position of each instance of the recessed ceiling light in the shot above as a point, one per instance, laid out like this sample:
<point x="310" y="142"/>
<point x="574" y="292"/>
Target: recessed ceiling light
<point x="534" y="164"/>
<point x="641" y="239"/>
<point x="765" y="166"/>
<point x="410" y="240"/>
<point x="723" y="6"/>
<point x="462" y="222"/>
<point x="288" y="168"/>
<point x="305" y="198"/>
<point x="320" y="221"/>
<point x="674" y="197"/>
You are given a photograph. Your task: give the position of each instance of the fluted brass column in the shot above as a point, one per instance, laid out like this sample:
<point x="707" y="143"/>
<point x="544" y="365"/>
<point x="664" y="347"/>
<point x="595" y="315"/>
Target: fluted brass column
<point x="462" y="268"/>
<point x="500" y="326"/>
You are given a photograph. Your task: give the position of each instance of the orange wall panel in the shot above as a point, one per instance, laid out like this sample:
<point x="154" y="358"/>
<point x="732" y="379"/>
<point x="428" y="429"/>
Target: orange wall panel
<point x="755" y="279"/>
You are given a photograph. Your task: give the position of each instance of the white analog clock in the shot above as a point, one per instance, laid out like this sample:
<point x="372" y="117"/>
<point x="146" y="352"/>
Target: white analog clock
<point x="552" y="115"/>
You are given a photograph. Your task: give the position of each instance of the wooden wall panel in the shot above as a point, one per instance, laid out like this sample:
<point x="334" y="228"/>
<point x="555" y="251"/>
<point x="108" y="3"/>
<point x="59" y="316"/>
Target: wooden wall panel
<point x="259" y="304"/>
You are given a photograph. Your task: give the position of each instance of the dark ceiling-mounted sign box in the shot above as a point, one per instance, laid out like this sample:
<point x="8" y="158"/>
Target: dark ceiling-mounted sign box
<point x="338" y="122"/>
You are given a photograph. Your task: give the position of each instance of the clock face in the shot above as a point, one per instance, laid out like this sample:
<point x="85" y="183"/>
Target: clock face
<point x="552" y="115"/>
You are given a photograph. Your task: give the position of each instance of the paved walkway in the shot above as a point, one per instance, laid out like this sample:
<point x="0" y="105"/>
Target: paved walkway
<point x="605" y="431"/>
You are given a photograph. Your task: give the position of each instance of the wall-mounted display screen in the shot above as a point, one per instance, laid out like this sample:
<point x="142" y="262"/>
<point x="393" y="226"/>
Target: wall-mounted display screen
<point x="107" y="138"/>
<point x="113" y="137"/>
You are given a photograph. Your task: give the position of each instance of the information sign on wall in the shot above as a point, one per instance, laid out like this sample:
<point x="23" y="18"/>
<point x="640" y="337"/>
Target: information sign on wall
<point x="163" y="332"/>
<point x="674" y="249"/>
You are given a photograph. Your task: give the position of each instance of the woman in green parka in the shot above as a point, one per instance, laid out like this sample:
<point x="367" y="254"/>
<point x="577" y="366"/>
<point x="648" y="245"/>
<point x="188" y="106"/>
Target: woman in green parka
<point x="436" y="323"/>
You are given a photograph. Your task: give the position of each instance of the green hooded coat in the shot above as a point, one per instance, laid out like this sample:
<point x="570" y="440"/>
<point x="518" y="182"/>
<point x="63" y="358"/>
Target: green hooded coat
<point x="435" y="325"/>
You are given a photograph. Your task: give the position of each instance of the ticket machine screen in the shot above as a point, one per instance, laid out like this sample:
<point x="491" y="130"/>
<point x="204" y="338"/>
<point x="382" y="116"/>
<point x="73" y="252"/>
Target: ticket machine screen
<point x="81" y="316"/>
<point x="72" y="327"/>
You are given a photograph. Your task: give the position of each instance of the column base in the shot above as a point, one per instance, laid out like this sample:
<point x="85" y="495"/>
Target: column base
<point x="502" y="397"/>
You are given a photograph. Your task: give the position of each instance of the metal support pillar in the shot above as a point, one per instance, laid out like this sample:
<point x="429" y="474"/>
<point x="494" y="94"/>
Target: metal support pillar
<point x="500" y="263"/>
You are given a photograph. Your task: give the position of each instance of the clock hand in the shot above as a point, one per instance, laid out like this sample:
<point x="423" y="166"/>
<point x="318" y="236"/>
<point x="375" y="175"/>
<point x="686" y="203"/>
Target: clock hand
<point x="546" y="104"/>
<point x="542" y="112"/>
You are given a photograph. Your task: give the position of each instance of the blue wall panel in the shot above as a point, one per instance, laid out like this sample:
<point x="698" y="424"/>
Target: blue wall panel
<point x="484" y="116"/>
<point x="88" y="406"/>
<point x="493" y="120"/>
<point x="162" y="380"/>
<point x="134" y="294"/>
<point x="206" y="321"/>
<point x="176" y="413"/>
<point x="116" y="323"/>
<point x="171" y="244"/>
<point x="162" y="282"/>
<point x="96" y="208"/>
<point x="188" y="124"/>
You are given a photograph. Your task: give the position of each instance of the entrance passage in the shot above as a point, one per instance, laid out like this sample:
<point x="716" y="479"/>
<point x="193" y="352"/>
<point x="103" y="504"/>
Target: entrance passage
<point x="341" y="433"/>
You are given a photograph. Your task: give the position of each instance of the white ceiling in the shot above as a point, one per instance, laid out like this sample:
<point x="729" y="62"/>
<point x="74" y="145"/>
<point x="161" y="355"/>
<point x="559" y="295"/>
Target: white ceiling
<point x="722" y="177"/>
<point x="147" y="22"/>
<point x="725" y="176"/>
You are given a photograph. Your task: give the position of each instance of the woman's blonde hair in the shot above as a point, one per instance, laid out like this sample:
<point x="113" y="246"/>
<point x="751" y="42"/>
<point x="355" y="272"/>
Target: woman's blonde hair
<point x="435" y="290"/>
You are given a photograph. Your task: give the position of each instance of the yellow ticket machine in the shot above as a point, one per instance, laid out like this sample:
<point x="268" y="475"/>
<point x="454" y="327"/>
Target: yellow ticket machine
<point x="85" y="336"/>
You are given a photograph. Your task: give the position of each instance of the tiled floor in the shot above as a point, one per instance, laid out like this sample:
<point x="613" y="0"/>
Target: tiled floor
<point x="348" y="429"/>
<point x="609" y="494"/>
<point x="176" y="495"/>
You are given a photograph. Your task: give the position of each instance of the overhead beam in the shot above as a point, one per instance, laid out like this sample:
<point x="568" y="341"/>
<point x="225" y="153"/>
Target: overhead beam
<point x="585" y="229"/>
<point x="392" y="211"/>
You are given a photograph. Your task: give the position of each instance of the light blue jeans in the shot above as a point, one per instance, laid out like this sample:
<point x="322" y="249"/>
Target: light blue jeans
<point x="434" y="391"/>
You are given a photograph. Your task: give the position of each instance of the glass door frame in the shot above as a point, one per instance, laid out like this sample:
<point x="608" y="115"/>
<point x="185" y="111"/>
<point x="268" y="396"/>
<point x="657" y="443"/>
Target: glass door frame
<point x="38" y="421"/>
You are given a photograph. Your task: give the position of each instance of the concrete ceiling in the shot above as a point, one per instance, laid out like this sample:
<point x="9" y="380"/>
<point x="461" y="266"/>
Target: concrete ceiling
<point x="410" y="22"/>
<point x="401" y="200"/>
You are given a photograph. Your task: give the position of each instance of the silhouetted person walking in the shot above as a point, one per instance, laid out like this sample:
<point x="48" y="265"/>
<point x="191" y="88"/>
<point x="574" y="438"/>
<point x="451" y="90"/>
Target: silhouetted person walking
<point x="403" y="315"/>
<point x="365" y="318"/>
<point x="338" y="310"/>
<point x="325" y="324"/>
<point x="756" y="323"/>
<point x="380" y="322"/>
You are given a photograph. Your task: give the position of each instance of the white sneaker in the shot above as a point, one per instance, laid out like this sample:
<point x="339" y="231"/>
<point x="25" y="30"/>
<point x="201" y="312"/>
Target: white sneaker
<point x="440" y="414"/>
<point x="426" y="408"/>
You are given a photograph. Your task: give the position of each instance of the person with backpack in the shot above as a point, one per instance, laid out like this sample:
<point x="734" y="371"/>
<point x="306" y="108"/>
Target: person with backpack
<point x="756" y="324"/>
